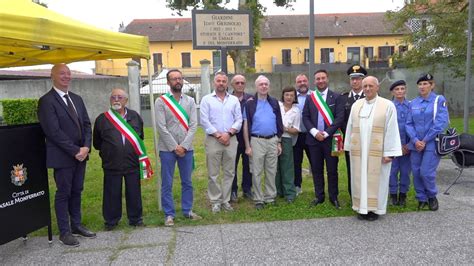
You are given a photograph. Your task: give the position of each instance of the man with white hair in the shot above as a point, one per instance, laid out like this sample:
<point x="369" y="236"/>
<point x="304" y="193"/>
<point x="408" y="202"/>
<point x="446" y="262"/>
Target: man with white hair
<point x="263" y="128"/>
<point x="116" y="133"/>
<point x="373" y="140"/>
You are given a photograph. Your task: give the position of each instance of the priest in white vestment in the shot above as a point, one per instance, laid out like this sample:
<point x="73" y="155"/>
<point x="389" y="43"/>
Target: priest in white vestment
<point x="373" y="139"/>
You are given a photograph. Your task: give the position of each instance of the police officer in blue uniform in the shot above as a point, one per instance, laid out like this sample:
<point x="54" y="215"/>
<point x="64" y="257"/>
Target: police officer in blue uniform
<point x="423" y="124"/>
<point x="399" y="181"/>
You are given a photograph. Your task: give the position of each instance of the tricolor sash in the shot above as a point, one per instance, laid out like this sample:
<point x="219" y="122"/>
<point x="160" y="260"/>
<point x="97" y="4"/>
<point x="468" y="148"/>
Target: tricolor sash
<point x="129" y="133"/>
<point x="176" y="109"/>
<point x="337" y="142"/>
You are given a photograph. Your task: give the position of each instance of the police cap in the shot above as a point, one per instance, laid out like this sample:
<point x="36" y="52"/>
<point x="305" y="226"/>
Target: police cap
<point x="425" y="77"/>
<point x="356" y="71"/>
<point x="397" y="83"/>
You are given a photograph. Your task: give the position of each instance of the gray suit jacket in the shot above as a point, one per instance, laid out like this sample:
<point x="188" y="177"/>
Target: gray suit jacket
<point x="172" y="133"/>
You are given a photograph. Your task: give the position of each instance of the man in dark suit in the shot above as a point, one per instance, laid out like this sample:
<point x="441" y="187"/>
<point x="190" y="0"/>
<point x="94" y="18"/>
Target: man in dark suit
<point x="356" y="74"/>
<point x="65" y="122"/>
<point x="323" y="114"/>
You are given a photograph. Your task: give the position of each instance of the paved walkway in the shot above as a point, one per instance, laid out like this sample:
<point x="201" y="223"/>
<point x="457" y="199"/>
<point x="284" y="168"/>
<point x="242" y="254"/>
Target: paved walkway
<point x="442" y="237"/>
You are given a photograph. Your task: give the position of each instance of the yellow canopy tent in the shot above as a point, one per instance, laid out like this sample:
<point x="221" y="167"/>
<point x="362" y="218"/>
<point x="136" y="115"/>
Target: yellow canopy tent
<point x="31" y="34"/>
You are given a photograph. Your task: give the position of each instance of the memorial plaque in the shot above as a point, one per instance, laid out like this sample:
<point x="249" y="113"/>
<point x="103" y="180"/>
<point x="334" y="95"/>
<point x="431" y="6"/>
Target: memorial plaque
<point x="214" y="29"/>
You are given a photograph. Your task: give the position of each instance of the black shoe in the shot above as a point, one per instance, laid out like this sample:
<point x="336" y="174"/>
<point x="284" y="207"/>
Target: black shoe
<point x="316" y="202"/>
<point x="248" y="195"/>
<point x="372" y="216"/>
<point x="84" y="232"/>
<point x="69" y="240"/>
<point x="362" y="216"/>
<point x="110" y="227"/>
<point x="402" y="199"/>
<point x="233" y="197"/>
<point x="393" y="199"/>
<point x="421" y="205"/>
<point x="138" y="224"/>
<point x="259" y="206"/>
<point x="336" y="204"/>
<point x="433" y="204"/>
<point x="290" y="201"/>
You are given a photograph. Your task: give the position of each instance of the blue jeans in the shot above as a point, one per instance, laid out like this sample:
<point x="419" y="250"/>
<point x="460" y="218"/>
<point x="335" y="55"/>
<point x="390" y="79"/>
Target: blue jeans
<point x="185" y="166"/>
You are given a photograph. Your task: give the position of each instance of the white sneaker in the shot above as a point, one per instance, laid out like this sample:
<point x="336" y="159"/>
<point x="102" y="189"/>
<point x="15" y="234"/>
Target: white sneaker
<point x="299" y="191"/>
<point x="216" y="208"/>
<point x="169" y="221"/>
<point x="227" y="207"/>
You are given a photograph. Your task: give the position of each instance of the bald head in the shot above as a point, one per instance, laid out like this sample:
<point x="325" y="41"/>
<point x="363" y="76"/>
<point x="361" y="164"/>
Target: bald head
<point x="238" y="84"/>
<point x="370" y="85"/>
<point x="61" y="76"/>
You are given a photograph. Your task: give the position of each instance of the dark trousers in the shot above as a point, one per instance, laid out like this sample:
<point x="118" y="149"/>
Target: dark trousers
<point x="318" y="154"/>
<point x="348" y="166"/>
<point x="67" y="201"/>
<point x="246" y="175"/>
<point x="112" y="199"/>
<point x="298" y="149"/>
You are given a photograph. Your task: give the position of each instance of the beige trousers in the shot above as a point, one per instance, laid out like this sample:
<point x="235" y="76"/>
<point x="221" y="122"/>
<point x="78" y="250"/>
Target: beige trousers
<point x="218" y="155"/>
<point x="264" y="160"/>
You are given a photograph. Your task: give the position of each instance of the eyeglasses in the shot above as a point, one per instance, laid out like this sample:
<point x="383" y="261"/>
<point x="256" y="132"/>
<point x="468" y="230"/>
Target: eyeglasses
<point x="239" y="83"/>
<point x="117" y="97"/>
<point x="176" y="79"/>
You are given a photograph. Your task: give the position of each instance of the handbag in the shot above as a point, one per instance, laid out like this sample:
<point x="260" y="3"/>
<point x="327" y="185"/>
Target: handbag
<point x="448" y="142"/>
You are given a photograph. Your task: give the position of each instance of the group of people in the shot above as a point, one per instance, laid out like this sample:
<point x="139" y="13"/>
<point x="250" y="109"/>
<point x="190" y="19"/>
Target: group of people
<point x="382" y="140"/>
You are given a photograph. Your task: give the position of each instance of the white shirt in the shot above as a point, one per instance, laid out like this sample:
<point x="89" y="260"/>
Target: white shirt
<point x="291" y="118"/>
<point x="61" y="94"/>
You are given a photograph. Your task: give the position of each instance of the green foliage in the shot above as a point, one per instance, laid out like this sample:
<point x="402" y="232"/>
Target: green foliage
<point x="440" y="37"/>
<point x="19" y="111"/>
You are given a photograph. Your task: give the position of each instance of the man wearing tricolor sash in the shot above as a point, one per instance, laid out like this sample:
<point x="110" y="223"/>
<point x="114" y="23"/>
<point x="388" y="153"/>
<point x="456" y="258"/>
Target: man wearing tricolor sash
<point x="176" y="121"/>
<point x="323" y="115"/>
<point x="373" y="140"/>
<point x="118" y="135"/>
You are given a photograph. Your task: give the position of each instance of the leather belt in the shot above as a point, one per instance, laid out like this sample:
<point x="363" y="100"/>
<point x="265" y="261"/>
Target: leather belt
<point x="263" y="137"/>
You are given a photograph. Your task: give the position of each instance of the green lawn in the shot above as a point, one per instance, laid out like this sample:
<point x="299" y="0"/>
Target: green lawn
<point x="244" y="209"/>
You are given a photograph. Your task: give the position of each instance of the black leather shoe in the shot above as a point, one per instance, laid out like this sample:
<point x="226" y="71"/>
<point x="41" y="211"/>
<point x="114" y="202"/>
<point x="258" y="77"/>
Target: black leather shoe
<point x="362" y="216"/>
<point x="233" y="197"/>
<point x="336" y="204"/>
<point x="316" y="202"/>
<point x="421" y="205"/>
<point x="109" y="227"/>
<point x="248" y="195"/>
<point x="259" y="206"/>
<point x="402" y="199"/>
<point x="69" y="240"/>
<point x="138" y="224"/>
<point x="372" y="216"/>
<point x="83" y="232"/>
<point x="393" y="199"/>
<point x="433" y="204"/>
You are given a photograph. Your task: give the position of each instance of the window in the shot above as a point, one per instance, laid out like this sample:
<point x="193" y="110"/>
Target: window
<point x="185" y="60"/>
<point x="157" y="61"/>
<point x="353" y="55"/>
<point x="385" y="52"/>
<point x="306" y="56"/>
<point x="286" y="57"/>
<point x="216" y="61"/>
<point x="327" y="55"/>
<point x="369" y="52"/>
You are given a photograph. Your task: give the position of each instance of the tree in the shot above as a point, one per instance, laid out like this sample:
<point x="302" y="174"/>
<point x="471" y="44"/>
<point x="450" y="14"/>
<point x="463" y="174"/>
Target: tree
<point x="241" y="58"/>
<point x="40" y="3"/>
<point x="437" y="33"/>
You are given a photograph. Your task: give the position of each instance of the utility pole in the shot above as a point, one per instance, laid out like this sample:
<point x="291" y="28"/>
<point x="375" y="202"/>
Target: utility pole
<point x="467" y="89"/>
<point x="311" y="44"/>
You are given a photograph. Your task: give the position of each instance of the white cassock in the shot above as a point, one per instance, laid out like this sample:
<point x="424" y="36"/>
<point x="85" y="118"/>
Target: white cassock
<point x="370" y="192"/>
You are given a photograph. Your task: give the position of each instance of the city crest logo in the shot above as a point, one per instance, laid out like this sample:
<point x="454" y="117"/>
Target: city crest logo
<point x="18" y="175"/>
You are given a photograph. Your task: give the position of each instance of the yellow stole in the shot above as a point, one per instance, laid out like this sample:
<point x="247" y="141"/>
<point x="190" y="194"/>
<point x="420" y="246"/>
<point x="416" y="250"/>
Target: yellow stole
<point x="375" y="153"/>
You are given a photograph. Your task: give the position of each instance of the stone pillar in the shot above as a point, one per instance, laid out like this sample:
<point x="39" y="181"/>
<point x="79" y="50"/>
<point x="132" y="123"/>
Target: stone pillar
<point x="205" y="80"/>
<point x="134" y="85"/>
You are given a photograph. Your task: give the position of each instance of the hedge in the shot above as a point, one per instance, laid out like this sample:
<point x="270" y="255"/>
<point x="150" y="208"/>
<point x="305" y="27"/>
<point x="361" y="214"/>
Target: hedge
<point x="19" y="111"/>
